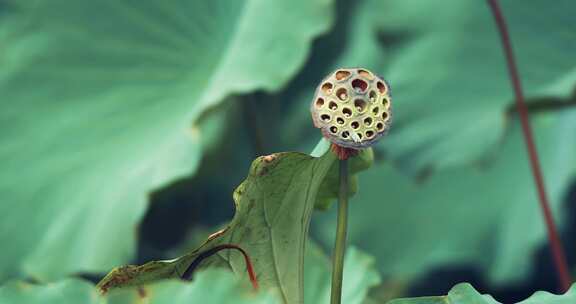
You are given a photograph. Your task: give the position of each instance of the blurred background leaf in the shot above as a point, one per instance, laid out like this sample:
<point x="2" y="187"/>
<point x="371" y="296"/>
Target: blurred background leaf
<point x="61" y="292"/>
<point x="487" y="216"/>
<point x="74" y="291"/>
<point x="446" y="69"/>
<point x="466" y="294"/>
<point x="359" y="276"/>
<point x="99" y="99"/>
<point x="210" y="286"/>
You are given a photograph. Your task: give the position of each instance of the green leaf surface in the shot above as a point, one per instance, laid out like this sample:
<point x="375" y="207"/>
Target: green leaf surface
<point x="359" y="276"/>
<point x="219" y="286"/>
<point x="464" y="293"/>
<point x="463" y="78"/>
<point x="273" y="209"/>
<point x="211" y="286"/>
<point x="97" y="103"/>
<point x="69" y="291"/>
<point x="409" y="225"/>
<point x="446" y="68"/>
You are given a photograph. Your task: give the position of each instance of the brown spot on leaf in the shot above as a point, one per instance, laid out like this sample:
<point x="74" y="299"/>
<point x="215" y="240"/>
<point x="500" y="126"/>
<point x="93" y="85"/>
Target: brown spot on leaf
<point x="217" y="234"/>
<point x="142" y="292"/>
<point x="119" y="277"/>
<point x="268" y="162"/>
<point x="270" y="158"/>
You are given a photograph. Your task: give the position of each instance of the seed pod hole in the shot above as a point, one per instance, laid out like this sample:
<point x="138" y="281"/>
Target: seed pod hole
<point x="365" y="74"/>
<point x="340" y="120"/>
<point x="369" y="134"/>
<point x="359" y="85"/>
<point x="380" y="126"/>
<point x="385" y="102"/>
<point x="375" y="110"/>
<point x="342" y="94"/>
<point x="333" y="106"/>
<point x="355" y="125"/>
<point x="360" y="105"/>
<point x="327" y="88"/>
<point x="325" y="117"/>
<point x="384" y="115"/>
<point x="347" y="112"/>
<point x="359" y="135"/>
<point x="372" y="96"/>
<point x="341" y="75"/>
<point x="368" y="121"/>
<point x="381" y="87"/>
<point x="333" y="130"/>
<point x="319" y="102"/>
<point x="345" y="134"/>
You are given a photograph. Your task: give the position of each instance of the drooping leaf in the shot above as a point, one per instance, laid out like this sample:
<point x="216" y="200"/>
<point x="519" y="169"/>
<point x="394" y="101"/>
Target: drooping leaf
<point x="97" y="103"/>
<point x="273" y="209"/>
<point x="464" y="293"/>
<point x="447" y="72"/>
<point x="410" y="225"/>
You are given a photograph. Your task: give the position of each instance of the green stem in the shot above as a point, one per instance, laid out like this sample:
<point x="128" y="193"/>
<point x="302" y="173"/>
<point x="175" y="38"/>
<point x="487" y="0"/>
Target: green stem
<point x="341" y="229"/>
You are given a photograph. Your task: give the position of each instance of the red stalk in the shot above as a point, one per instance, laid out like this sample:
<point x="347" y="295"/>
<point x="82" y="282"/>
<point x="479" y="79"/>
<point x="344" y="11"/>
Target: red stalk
<point x="190" y="270"/>
<point x="553" y="238"/>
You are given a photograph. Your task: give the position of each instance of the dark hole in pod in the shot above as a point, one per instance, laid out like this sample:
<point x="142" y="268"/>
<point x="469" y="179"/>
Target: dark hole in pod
<point x="327" y="88"/>
<point x="342" y="94"/>
<point x="381" y="87"/>
<point x="360" y="105"/>
<point x="347" y="112"/>
<point x="359" y="85"/>
<point x="368" y="121"/>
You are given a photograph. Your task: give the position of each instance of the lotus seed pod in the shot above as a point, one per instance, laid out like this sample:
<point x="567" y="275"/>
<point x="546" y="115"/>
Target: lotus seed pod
<point x="352" y="108"/>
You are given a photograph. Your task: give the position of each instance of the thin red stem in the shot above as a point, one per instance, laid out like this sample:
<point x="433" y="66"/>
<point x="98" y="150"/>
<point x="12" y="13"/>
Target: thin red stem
<point x="251" y="274"/>
<point x="553" y="238"/>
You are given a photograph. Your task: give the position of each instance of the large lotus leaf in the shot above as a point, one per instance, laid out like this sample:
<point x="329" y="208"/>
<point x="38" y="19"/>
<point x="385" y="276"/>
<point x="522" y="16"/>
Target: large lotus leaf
<point x="446" y="68"/>
<point x="410" y="225"/>
<point x="97" y="103"/>
<point x="464" y="293"/>
<point x="273" y="209"/>
<point x="75" y="291"/>
<point x="69" y="291"/>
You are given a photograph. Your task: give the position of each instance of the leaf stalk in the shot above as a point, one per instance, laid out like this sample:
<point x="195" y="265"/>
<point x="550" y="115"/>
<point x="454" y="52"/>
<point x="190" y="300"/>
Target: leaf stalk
<point x="553" y="238"/>
<point x="341" y="232"/>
